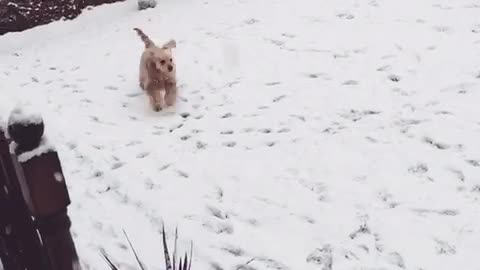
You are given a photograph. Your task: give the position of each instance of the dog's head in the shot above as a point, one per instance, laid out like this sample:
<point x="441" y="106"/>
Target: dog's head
<point x="161" y="59"/>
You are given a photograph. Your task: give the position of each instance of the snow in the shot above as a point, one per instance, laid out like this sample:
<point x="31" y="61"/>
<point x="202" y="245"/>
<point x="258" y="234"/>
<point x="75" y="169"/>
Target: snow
<point x="5" y="109"/>
<point x="12" y="147"/>
<point x="25" y="114"/>
<point x="308" y="134"/>
<point x="44" y="147"/>
<point x="58" y="177"/>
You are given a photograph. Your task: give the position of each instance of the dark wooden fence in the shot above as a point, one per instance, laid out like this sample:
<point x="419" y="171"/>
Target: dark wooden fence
<point x="19" y="15"/>
<point x="34" y="224"/>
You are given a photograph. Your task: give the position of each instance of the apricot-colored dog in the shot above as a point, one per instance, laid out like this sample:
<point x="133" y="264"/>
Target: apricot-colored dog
<point x="158" y="73"/>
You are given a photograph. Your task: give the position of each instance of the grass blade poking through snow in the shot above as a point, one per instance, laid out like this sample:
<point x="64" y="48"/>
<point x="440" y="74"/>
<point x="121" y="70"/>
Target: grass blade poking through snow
<point x="191" y="255"/>
<point x="175" y="249"/>
<point x="107" y="260"/>
<point x="168" y="264"/>
<point x="184" y="263"/>
<point x="134" y="252"/>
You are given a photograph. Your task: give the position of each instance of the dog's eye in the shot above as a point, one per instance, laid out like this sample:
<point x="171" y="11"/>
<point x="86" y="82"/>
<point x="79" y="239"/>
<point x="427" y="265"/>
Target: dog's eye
<point x="171" y="60"/>
<point x="162" y="62"/>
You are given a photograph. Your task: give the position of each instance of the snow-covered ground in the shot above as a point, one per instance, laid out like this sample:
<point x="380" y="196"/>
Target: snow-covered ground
<point x="308" y="135"/>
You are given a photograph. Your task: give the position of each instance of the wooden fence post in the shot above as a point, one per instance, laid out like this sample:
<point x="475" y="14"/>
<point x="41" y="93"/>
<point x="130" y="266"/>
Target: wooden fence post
<point x="44" y="190"/>
<point x="20" y="246"/>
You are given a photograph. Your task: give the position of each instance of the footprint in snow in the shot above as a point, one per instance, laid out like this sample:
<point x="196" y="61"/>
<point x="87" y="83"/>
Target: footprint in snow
<point x="185" y="115"/>
<point x="442" y="29"/>
<point x="396" y="259"/>
<point x="132" y="95"/>
<point x="230" y="144"/>
<point x="98" y="174"/>
<point x="346" y="16"/>
<point x="272" y="83"/>
<point x="438" y="145"/>
<point x="182" y="174"/>
<point x="176" y="127"/>
<point x="350" y="82"/>
<point x="201" y="145"/>
<point x="133" y="143"/>
<point x="186" y="137"/>
<point x="227" y="132"/>
<point x="384" y="68"/>
<point x="214" y="211"/>
<point x="474" y="163"/>
<point x="216" y="266"/>
<point x="251" y="21"/>
<point x="111" y="87"/>
<point x="279" y="98"/>
<point x="117" y="165"/>
<point x="476" y="29"/>
<point x="143" y="155"/>
<point x="227" y="115"/>
<point x="248" y="130"/>
<point x="265" y="130"/>
<point x="235" y="251"/>
<point x="283" y="130"/>
<point x="164" y="167"/>
<point x="394" y="78"/>
<point x="419" y="168"/>
<point x="322" y="257"/>
<point x="444" y="248"/>
<point x="458" y="174"/>
<point x="270" y="144"/>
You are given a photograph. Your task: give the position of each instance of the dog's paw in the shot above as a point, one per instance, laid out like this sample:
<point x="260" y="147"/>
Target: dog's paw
<point x="157" y="107"/>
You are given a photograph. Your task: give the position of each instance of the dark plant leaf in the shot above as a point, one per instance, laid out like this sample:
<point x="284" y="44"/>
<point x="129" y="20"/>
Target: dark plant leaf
<point x="191" y="255"/>
<point x="185" y="263"/>
<point x="175" y="250"/>
<point x="134" y="252"/>
<point x="107" y="260"/>
<point x="168" y="264"/>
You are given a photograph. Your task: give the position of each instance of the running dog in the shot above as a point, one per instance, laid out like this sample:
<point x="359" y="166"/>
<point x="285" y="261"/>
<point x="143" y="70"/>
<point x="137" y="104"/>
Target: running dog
<point x="158" y="72"/>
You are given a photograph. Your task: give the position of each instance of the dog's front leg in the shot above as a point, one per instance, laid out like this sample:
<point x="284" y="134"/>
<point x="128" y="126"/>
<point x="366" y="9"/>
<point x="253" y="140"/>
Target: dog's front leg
<point x="171" y="93"/>
<point x="157" y="100"/>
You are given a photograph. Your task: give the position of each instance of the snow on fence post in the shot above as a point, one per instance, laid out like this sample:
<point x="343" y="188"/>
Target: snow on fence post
<point x="20" y="247"/>
<point x="43" y="187"/>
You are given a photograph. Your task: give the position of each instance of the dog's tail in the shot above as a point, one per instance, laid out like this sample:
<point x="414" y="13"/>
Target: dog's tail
<point x="148" y="42"/>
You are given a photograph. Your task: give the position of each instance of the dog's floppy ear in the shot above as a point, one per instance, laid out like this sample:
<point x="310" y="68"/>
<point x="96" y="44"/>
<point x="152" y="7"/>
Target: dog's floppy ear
<point x="170" y="44"/>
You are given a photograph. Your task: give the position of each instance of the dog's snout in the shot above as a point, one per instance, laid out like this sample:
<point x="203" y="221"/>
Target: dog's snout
<point x="170" y="67"/>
